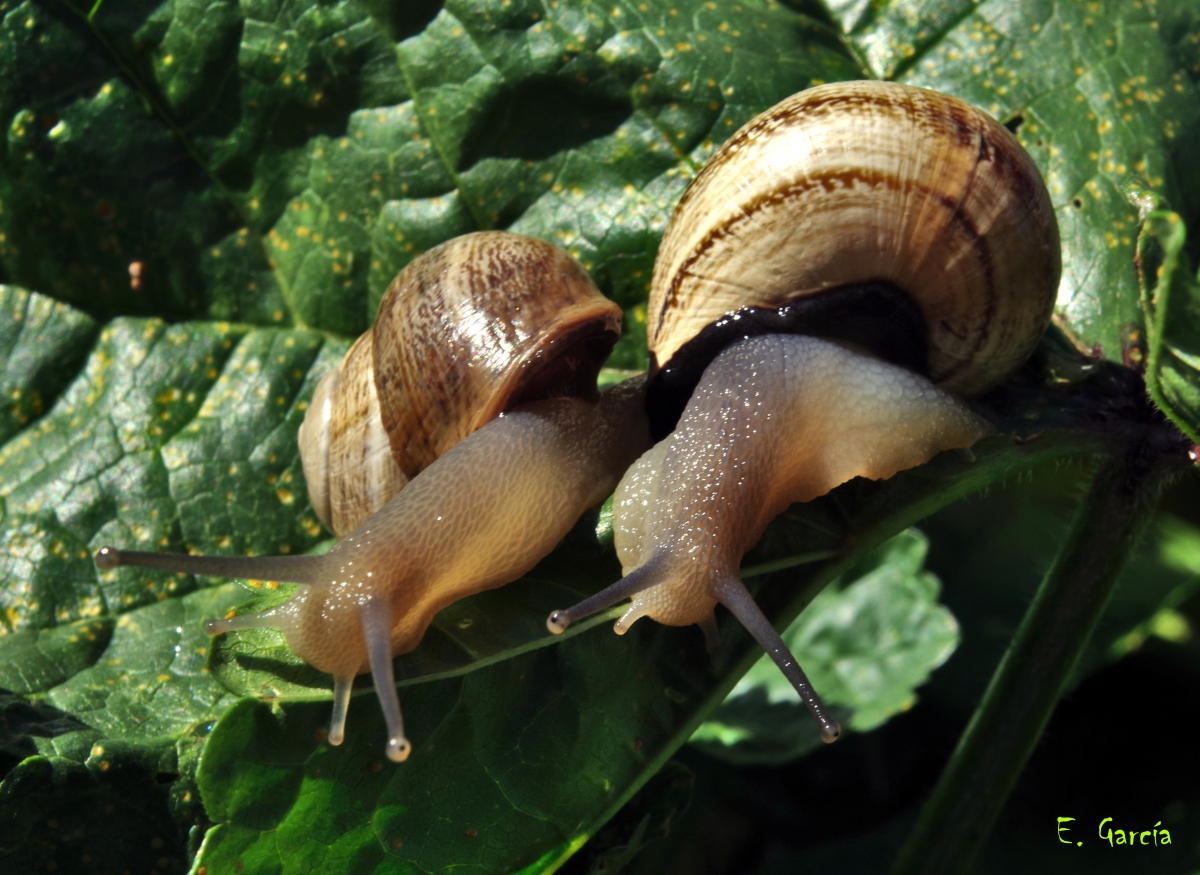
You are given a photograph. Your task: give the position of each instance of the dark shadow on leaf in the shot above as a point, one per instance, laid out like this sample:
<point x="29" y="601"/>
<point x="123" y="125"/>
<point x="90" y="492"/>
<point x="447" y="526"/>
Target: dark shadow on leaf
<point x="21" y="721"/>
<point x="405" y="18"/>
<point x="646" y="819"/>
<point x="540" y="117"/>
<point x="301" y="675"/>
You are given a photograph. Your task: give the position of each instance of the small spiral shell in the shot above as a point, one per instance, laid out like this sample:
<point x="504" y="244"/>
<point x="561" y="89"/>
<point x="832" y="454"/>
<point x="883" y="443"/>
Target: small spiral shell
<point x="469" y="329"/>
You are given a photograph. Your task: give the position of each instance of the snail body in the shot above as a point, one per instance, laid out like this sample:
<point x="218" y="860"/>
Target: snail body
<point x="846" y="269"/>
<point x="529" y="448"/>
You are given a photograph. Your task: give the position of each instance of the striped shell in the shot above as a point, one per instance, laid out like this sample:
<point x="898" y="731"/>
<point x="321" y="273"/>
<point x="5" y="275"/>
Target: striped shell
<point x="860" y="181"/>
<point x="469" y="329"/>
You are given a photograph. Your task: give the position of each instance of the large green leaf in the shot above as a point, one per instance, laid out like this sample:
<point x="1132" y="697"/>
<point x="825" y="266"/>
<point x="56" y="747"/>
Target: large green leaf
<point x="276" y="164"/>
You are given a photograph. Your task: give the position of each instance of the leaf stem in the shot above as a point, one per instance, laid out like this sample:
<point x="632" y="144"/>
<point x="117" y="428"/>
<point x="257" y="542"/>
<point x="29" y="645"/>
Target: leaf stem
<point x="1040" y="660"/>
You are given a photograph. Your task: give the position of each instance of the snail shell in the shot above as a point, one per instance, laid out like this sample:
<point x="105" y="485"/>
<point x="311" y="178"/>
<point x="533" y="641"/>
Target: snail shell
<point x="845" y="269"/>
<point x="918" y="197"/>
<point x="471" y="328"/>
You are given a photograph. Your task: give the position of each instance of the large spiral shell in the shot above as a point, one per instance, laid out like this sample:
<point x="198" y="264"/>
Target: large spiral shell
<point x="868" y="182"/>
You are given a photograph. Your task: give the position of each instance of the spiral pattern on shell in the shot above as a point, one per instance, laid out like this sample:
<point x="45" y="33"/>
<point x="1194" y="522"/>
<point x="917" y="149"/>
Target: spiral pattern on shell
<point x="868" y="182"/>
<point x="469" y="329"/>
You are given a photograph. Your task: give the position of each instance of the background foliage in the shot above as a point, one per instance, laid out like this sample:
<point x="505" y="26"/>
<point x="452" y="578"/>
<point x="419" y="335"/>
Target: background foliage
<point x="268" y="166"/>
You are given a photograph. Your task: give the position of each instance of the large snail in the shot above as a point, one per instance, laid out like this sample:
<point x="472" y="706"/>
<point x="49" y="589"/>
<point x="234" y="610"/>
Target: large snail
<point x="846" y="268"/>
<point x="480" y="375"/>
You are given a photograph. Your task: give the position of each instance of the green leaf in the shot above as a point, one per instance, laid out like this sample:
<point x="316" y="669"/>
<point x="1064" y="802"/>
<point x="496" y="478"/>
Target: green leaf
<point x="1171" y="300"/>
<point x="991" y="554"/>
<point x="154" y="421"/>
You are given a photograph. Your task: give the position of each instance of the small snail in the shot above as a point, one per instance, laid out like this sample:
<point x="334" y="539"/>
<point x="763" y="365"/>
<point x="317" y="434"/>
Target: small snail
<point x="480" y="374"/>
<point x="850" y="264"/>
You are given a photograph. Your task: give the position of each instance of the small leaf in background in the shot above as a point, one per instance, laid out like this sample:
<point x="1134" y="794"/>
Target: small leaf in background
<point x="865" y="646"/>
<point x="1179" y="547"/>
<point x="1171" y="301"/>
<point x="1178" y="544"/>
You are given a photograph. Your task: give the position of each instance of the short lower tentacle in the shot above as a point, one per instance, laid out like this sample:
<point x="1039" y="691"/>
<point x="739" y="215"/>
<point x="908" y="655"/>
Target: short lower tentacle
<point x="630" y="585"/>
<point x="632" y="614"/>
<point x="342" y="685"/>
<point x="733" y="594"/>
<point x="376" y="618"/>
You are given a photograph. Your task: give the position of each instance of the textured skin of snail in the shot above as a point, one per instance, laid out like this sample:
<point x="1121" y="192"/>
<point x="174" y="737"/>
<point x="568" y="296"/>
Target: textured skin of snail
<point x="866" y="254"/>
<point x="499" y="486"/>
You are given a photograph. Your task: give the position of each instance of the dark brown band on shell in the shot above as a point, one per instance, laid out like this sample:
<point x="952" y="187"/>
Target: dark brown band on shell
<point x="876" y="315"/>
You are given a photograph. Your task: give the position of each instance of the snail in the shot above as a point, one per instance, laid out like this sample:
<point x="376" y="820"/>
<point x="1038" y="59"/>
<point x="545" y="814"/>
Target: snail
<point x="846" y="269"/>
<point x="458" y="442"/>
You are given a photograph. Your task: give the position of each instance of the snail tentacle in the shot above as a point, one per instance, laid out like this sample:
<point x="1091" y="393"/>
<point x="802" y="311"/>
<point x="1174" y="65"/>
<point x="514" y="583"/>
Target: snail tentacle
<point x="342" y="685"/>
<point x="628" y="586"/>
<point x="376" y="618"/>
<point x="732" y="593"/>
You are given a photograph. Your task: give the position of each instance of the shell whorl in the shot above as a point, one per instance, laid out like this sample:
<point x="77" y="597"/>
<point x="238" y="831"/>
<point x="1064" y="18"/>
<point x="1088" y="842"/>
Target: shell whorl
<point x="467" y="330"/>
<point x="856" y="182"/>
<point x="346" y="454"/>
<point x="528" y="322"/>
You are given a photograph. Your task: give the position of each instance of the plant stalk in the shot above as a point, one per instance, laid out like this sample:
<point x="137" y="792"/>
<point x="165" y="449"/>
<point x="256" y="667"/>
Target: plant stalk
<point x="1034" y="672"/>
